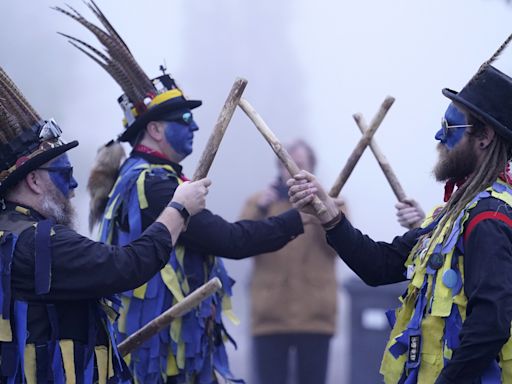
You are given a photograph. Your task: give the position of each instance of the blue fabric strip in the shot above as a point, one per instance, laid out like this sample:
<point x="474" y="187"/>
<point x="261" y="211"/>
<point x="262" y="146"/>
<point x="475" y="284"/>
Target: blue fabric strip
<point x="20" y="314"/>
<point x="7" y="244"/>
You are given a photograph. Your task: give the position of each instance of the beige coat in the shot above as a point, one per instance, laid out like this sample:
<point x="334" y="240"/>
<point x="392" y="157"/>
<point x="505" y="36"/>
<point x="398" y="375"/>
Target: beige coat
<point x="293" y="289"/>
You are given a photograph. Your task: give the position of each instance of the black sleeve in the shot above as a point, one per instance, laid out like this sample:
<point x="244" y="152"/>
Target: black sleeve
<point x="488" y="287"/>
<point x="376" y="263"/>
<point x="82" y="268"/>
<point x="211" y="234"/>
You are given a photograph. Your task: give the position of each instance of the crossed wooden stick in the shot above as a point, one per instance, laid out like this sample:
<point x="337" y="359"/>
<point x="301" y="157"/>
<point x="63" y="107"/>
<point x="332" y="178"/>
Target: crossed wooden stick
<point x="366" y="139"/>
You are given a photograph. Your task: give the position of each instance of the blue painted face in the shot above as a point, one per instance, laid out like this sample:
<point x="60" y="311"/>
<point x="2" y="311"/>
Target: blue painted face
<point x="453" y="127"/>
<point x="179" y="132"/>
<point x="61" y="174"/>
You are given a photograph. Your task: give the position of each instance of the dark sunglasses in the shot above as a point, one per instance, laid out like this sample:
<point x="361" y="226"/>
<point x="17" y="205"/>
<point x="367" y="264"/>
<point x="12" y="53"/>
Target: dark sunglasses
<point x="66" y="172"/>
<point x="446" y="127"/>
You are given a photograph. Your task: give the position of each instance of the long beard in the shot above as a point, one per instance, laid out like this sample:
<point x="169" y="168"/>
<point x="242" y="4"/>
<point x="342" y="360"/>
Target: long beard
<point x="457" y="163"/>
<point x="59" y="208"/>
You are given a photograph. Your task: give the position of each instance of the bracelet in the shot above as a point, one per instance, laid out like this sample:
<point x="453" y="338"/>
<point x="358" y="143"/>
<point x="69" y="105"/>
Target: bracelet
<point x="333" y="222"/>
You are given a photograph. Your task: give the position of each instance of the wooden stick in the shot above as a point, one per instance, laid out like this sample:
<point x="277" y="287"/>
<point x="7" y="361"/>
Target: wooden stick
<point x="177" y="310"/>
<point x="220" y="127"/>
<point x="383" y="161"/>
<point x="276" y="145"/>
<point x="360" y="147"/>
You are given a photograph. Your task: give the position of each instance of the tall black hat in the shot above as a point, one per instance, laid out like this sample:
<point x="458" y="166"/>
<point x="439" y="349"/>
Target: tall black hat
<point x="488" y="96"/>
<point x="26" y="140"/>
<point x="144" y="100"/>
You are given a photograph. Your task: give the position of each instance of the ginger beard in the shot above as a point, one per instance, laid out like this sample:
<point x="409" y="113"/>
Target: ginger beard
<point x="457" y="163"/>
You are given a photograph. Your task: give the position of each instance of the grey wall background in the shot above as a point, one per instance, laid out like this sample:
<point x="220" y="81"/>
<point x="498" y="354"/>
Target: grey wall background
<point x="310" y="65"/>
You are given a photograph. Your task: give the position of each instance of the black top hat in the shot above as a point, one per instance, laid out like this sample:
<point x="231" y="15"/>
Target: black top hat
<point x="154" y="107"/>
<point x="26" y="141"/>
<point x="488" y="96"/>
<point x="144" y="100"/>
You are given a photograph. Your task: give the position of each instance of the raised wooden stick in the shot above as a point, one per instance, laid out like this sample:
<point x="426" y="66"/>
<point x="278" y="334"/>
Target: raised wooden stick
<point x="177" y="310"/>
<point x="360" y="147"/>
<point x="383" y="161"/>
<point x="220" y="127"/>
<point x="276" y="145"/>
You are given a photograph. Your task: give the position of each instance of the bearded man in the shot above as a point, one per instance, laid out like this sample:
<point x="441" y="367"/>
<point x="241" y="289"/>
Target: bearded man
<point x="56" y="320"/>
<point x="454" y="322"/>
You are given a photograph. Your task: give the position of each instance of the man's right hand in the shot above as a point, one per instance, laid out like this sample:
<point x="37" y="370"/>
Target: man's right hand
<point x="302" y="189"/>
<point x="192" y="195"/>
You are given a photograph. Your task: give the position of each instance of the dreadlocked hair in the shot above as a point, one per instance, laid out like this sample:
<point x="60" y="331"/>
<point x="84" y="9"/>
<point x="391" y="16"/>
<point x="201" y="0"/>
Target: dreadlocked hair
<point x="493" y="164"/>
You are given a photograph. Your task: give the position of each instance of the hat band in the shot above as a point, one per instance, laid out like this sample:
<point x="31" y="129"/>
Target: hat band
<point x="44" y="146"/>
<point x="158" y="99"/>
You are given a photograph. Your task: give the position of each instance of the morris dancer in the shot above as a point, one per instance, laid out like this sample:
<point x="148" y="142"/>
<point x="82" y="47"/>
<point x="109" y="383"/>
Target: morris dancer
<point x="454" y="322"/>
<point x="54" y="326"/>
<point x="160" y="127"/>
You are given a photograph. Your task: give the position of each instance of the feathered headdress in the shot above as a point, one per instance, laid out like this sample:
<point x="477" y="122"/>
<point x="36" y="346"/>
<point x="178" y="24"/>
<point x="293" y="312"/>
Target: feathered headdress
<point x="144" y="100"/>
<point x="26" y="141"/>
<point x="488" y="95"/>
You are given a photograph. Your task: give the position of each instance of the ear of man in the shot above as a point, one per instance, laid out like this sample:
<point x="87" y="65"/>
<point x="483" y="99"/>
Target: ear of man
<point x="156" y="130"/>
<point x="485" y="137"/>
<point x="35" y="182"/>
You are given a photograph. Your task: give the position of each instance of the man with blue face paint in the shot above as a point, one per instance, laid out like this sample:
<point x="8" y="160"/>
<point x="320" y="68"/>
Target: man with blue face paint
<point x="160" y="128"/>
<point x="57" y="288"/>
<point x="179" y="133"/>
<point x="453" y="325"/>
<point x="61" y="174"/>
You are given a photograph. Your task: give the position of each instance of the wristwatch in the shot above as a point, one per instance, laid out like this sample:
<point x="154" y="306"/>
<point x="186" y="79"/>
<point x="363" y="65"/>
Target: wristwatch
<point x="181" y="209"/>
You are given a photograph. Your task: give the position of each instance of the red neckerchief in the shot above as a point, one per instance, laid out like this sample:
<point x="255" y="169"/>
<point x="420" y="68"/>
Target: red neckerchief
<point x="144" y="149"/>
<point x="450" y="186"/>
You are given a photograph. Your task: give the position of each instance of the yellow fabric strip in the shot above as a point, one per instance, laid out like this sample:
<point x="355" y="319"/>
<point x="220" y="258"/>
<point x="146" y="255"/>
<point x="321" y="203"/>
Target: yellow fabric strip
<point x="110" y="361"/>
<point x="121" y="324"/>
<point x="176" y="329"/>
<point x="141" y="193"/>
<point x="171" y="281"/>
<point x="227" y="310"/>
<point x="140" y="292"/>
<point x="180" y="356"/>
<point x="110" y="209"/>
<point x="172" y="367"/>
<point x="5" y="330"/>
<point x="101" y="353"/>
<point x="30" y="364"/>
<point x="443" y="301"/>
<point x="68" y="358"/>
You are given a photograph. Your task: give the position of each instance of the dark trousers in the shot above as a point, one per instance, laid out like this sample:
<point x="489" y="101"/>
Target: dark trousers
<point x="272" y="358"/>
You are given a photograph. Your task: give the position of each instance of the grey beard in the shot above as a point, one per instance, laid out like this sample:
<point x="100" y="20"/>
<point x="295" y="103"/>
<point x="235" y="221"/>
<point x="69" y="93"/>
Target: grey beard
<point x="58" y="208"/>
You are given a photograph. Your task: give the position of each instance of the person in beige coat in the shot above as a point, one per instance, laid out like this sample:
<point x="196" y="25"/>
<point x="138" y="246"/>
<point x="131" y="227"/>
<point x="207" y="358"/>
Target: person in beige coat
<point x="293" y="290"/>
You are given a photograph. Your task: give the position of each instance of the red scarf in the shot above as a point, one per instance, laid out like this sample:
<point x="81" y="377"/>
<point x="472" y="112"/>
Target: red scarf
<point x="144" y="149"/>
<point x="153" y="152"/>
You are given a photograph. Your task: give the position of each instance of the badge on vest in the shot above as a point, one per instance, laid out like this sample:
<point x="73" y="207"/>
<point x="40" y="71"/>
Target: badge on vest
<point x="414" y="350"/>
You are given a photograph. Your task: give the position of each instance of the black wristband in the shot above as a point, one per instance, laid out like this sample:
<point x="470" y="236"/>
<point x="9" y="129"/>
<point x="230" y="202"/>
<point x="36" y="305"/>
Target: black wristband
<point x="181" y="209"/>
